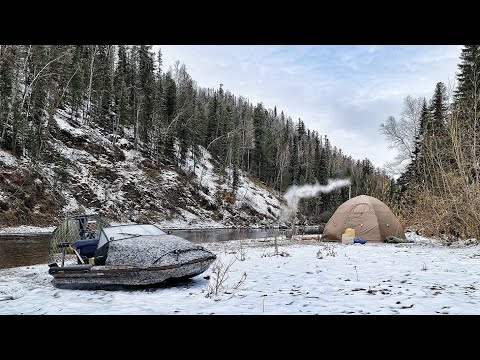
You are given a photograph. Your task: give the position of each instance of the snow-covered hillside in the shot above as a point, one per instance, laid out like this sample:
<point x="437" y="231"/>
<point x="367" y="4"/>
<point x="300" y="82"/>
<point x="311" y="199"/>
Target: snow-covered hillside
<point x="90" y="171"/>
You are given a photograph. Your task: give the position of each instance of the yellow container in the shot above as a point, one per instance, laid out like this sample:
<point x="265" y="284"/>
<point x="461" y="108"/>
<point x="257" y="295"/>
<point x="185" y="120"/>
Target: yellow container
<point x="91" y="261"/>
<point x="350" y="232"/>
<point x="346" y="239"/>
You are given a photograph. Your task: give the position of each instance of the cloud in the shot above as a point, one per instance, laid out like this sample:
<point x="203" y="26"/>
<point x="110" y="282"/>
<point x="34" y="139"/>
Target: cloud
<point x="344" y="92"/>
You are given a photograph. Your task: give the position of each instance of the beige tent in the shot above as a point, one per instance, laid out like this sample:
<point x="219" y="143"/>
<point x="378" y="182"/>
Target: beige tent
<point x="372" y="220"/>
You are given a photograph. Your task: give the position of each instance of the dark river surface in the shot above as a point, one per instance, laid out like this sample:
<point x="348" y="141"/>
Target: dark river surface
<point x="22" y="250"/>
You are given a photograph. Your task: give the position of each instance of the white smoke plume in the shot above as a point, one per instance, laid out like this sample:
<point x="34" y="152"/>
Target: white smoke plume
<point x="295" y="193"/>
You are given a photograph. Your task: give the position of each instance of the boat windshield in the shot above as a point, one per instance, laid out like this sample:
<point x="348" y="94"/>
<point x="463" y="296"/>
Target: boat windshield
<point x="128" y="231"/>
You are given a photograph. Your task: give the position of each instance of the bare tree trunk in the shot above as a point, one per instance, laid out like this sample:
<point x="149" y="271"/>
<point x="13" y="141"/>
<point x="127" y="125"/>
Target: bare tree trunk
<point x="29" y="87"/>
<point x="475" y="131"/>
<point x="194" y="157"/>
<point x="137" y="116"/>
<point x="89" y="106"/>
<point x="15" y="90"/>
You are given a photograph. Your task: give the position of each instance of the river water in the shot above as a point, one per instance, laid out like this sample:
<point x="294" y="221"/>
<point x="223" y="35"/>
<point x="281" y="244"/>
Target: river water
<point x="23" y="250"/>
<point x="16" y="250"/>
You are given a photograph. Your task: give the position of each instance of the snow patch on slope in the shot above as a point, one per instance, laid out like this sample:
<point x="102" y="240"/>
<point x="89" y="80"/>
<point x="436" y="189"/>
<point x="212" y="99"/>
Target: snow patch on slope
<point x="65" y="125"/>
<point x="7" y="159"/>
<point x="248" y="194"/>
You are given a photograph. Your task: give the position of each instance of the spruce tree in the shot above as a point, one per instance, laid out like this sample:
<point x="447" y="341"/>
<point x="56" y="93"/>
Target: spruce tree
<point x="8" y="69"/>
<point x="77" y="86"/>
<point x="147" y="87"/>
<point x="469" y="76"/>
<point x="438" y="110"/>
<point x="211" y="128"/>
<point x="27" y="127"/>
<point x="259" y="153"/>
<point x="121" y="82"/>
<point x="169" y="105"/>
<point x="415" y="173"/>
<point x="235" y="161"/>
<point x="294" y="161"/>
<point x="324" y="163"/>
<point x="418" y="160"/>
<point x="317" y="157"/>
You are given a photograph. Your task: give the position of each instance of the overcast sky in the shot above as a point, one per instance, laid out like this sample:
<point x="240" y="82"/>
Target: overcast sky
<point x="344" y="92"/>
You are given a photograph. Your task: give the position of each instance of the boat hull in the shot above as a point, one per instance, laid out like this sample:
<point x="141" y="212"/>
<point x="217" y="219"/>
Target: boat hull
<point x="95" y="277"/>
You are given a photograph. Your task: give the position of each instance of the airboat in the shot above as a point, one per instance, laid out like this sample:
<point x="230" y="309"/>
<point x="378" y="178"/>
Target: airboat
<point x="88" y="253"/>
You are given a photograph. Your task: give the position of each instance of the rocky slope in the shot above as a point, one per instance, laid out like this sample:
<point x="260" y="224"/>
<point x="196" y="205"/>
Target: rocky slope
<point x="84" y="170"/>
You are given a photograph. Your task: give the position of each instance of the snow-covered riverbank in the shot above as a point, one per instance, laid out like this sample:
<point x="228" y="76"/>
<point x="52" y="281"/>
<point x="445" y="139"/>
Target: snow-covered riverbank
<point x="167" y="224"/>
<point x="25" y="230"/>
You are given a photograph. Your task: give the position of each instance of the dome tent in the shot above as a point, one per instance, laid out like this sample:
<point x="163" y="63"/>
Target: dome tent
<point x="371" y="218"/>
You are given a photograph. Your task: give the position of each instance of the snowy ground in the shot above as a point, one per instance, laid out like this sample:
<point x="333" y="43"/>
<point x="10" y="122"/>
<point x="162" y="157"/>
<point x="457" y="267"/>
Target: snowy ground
<point x="167" y="224"/>
<point x="306" y="277"/>
<point x="24" y="229"/>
